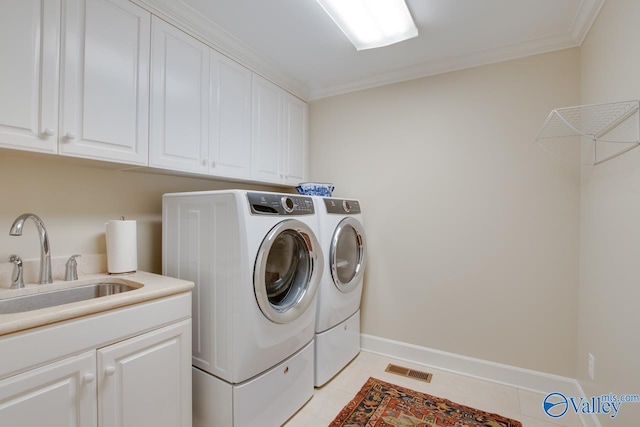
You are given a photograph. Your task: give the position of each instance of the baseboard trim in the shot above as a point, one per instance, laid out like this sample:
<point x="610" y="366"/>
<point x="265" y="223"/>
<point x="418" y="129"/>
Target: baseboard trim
<point x="525" y="379"/>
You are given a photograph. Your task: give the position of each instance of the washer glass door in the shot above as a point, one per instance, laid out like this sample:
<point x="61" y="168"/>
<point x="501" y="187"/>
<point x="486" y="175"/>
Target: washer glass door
<point x="287" y="269"/>
<point x="347" y="254"/>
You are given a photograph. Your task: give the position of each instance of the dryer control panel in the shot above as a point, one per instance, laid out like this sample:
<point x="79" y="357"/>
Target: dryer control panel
<point x="280" y="204"/>
<point x="342" y="206"/>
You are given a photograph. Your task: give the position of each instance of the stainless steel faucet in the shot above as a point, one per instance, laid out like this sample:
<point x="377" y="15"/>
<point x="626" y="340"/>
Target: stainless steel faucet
<point x="45" y="254"/>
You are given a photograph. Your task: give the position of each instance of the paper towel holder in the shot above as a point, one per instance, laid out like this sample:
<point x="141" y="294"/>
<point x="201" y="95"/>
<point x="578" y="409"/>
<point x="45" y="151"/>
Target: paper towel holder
<point x="121" y="246"/>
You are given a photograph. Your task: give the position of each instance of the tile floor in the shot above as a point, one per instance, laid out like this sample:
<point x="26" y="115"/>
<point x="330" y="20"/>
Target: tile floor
<point x="522" y="405"/>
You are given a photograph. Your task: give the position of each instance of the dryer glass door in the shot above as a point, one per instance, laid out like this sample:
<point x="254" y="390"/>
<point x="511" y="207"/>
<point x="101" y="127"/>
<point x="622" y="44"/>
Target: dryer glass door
<point x="287" y="269"/>
<point x="347" y="254"/>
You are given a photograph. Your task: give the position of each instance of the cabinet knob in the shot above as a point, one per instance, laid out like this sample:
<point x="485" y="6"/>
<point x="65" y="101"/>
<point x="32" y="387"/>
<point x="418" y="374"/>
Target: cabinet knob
<point x="204" y="162"/>
<point x="109" y="370"/>
<point x="70" y="135"/>
<point x="213" y="164"/>
<point x="48" y="132"/>
<point x="88" y="378"/>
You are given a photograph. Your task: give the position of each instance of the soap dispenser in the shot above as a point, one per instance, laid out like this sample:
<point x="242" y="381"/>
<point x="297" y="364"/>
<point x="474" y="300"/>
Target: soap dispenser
<point x="17" y="277"/>
<point x="71" y="270"/>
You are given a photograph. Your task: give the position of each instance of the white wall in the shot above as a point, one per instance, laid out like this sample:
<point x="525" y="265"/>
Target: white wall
<point x="75" y="200"/>
<point x="472" y="228"/>
<point x="609" y="229"/>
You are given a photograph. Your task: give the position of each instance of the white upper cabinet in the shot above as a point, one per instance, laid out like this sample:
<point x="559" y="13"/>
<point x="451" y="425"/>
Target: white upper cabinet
<point x="179" y="100"/>
<point x="200" y="107"/>
<point x="104" y="81"/>
<point x="230" y="125"/>
<point x="295" y="153"/>
<point x="279" y="138"/>
<point x="266" y="131"/>
<point x="29" y="48"/>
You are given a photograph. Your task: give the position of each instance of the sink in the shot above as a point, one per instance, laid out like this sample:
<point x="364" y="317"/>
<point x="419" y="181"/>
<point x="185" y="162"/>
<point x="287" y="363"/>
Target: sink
<point x="63" y="296"/>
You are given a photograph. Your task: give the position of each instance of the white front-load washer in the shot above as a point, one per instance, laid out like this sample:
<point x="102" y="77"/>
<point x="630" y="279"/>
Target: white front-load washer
<point x="256" y="263"/>
<point x="342" y="237"/>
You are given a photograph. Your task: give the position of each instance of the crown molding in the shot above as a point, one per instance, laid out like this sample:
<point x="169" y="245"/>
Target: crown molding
<point x="441" y="66"/>
<point x="585" y="17"/>
<point x="184" y="17"/>
<point x="574" y="36"/>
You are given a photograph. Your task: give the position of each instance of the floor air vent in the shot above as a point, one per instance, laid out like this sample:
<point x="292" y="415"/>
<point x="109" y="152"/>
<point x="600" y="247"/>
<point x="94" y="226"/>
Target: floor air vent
<point x="406" y="372"/>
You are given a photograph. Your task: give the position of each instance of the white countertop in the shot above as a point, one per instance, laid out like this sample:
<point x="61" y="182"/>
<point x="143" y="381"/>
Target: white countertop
<point x="152" y="286"/>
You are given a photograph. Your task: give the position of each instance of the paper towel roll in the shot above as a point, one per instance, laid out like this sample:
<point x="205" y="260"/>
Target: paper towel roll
<point x="122" y="246"/>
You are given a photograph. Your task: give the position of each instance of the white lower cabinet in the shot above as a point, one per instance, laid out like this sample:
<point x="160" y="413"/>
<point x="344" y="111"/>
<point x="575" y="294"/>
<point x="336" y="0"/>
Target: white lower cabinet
<point x="62" y="394"/>
<point x="140" y="381"/>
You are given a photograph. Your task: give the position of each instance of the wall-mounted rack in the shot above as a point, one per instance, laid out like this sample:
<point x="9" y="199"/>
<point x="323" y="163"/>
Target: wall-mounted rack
<point x="612" y="129"/>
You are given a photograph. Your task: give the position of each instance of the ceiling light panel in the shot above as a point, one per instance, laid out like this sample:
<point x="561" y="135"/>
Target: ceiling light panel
<point x="371" y="23"/>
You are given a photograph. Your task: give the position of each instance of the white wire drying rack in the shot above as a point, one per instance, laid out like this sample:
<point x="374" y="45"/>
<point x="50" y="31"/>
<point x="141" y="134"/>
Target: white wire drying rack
<point x="595" y="122"/>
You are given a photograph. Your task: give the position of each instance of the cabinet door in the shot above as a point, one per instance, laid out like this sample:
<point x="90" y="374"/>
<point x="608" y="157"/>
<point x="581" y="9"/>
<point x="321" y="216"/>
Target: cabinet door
<point x="179" y="100"/>
<point x="29" y="48"/>
<point x="62" y="394"/>
<point x="146" y="381"/>
<point x="266" y="137"/>
<point x="295" y="151"/>
<point x="230" y="124"/>
<point x="105" y="84"/>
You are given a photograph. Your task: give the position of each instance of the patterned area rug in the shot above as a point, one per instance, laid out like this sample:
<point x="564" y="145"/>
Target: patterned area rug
<point x="380" y="404"/>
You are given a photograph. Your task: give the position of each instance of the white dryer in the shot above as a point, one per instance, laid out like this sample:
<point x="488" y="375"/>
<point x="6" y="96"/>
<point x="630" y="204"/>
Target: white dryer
<point x="256" y="263"/>
<point x="342" y="237"/>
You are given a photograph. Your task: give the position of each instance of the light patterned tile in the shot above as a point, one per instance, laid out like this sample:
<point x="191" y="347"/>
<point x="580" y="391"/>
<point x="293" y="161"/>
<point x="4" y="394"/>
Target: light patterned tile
<point x="511" y="402"/>
<point x="534" y="422"/>
<point x="327" y="402"/>
<point x="477" y="393"/>
<point x="304" y="419"/>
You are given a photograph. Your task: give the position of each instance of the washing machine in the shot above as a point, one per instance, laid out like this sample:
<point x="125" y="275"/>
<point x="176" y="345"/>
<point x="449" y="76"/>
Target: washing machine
<point x="256" y="262"/>
<point x="342" y="237"/>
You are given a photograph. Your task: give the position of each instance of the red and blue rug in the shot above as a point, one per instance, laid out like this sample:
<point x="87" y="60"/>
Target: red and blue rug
<point x="380" y="404"/>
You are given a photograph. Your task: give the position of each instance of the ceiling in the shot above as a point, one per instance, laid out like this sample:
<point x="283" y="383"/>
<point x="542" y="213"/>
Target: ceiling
<point x="296" y="44"/>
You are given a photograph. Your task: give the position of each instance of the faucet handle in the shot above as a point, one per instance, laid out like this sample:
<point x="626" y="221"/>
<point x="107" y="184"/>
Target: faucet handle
<point x="17" y="278"/>
<point x="71" y="270"/>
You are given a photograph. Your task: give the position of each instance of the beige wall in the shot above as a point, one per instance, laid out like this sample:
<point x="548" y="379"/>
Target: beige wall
<point x="609" y="229"/>
<point x="473" y="232"/>
<point x="75" y="201"/>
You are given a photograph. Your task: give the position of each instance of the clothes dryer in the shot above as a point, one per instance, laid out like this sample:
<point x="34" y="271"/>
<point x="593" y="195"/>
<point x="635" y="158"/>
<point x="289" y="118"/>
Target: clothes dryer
<point x="256" y="262"/>
<point x="342" y="237"/>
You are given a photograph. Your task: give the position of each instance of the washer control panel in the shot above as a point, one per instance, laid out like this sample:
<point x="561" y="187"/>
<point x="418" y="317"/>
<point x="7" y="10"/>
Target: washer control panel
<point x="342" y="206"/>
<point x="280" y="204"/>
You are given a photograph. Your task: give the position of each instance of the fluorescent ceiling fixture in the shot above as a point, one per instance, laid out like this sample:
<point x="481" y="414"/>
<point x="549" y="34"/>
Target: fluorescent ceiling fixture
<point x="371" y="23"/>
